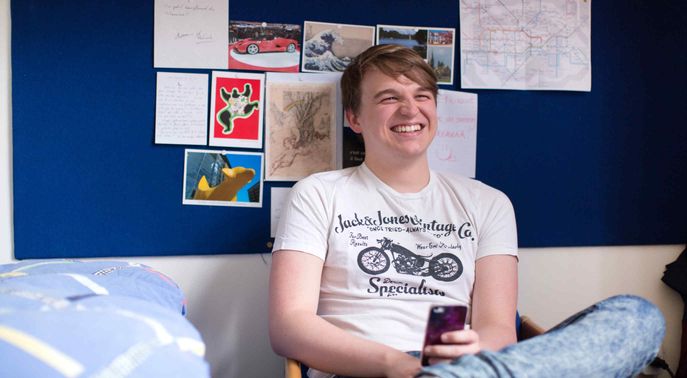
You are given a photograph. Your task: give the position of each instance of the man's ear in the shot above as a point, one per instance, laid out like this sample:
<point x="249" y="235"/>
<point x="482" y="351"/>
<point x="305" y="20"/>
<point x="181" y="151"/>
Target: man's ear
<point x="353" y="121"/>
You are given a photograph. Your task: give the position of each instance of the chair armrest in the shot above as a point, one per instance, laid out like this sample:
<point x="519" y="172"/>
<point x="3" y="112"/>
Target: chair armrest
<point x="292" y="368"/>
<point x="529" y="329"/>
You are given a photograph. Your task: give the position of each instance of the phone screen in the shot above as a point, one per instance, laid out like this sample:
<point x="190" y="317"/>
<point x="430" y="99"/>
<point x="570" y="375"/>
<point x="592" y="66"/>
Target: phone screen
<point x="442" y="319"/>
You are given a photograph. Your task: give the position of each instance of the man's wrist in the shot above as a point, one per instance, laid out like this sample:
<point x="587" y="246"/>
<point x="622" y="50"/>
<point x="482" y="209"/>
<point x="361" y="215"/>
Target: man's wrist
<point x="395" y="361"/>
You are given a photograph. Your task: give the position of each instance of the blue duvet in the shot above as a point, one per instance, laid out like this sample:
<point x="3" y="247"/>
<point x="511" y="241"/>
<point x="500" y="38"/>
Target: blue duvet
<point x="67" y="318"/>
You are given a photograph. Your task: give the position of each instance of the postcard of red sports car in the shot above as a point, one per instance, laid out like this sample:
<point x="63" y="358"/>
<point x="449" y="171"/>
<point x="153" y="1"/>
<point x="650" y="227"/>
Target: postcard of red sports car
<point x="262" y="46"/>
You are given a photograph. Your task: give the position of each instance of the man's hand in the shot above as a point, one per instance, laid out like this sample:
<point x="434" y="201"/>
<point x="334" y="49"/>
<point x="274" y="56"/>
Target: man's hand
<point x="455" y="344"/>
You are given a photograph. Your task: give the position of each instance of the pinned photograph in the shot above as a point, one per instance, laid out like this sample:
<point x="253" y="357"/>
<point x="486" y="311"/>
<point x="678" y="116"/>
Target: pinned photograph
<point x="303" y="116"/>
<point x="236" y="109"/>
<point x="330" y="47"/>
<point x="436" y="45"/>
<point x="262" y="46"/>
<point x="440" y="50"/>
<point x="221" y="178"/>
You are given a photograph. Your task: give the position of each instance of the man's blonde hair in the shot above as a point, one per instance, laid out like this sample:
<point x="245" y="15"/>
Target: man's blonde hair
<point x="391" y="60"/>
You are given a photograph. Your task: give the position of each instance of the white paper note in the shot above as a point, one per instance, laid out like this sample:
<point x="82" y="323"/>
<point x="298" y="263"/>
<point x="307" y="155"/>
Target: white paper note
<point x="454" y="148"/>
<point x="181" y="108"/>
<point x="278" y="200"/>
<point x="192" y="33"/>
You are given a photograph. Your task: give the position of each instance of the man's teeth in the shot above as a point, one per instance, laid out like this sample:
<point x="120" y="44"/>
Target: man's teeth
<point x="407" y="128"/>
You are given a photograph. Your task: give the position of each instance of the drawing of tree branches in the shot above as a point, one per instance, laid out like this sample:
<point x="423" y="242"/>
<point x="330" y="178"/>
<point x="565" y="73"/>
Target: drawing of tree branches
<point x="303" y="108"/>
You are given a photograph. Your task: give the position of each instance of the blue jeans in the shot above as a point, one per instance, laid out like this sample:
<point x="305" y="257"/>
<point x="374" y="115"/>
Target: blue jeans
<point x="613" y="338"/>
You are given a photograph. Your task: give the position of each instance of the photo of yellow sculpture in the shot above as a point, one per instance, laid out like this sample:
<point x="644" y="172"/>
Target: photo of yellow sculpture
<point x="219" y="178"/>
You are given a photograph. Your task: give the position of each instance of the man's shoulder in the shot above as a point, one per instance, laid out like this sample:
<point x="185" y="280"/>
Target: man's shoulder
<point x="324" y="180"/>
<point x="460" y="181"/>
<point x="467" y="185"/>
<point x="328" y="176"/>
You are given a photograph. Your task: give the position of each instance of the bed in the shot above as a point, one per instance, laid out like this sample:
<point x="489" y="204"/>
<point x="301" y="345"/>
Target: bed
<point x="70" y="318"/>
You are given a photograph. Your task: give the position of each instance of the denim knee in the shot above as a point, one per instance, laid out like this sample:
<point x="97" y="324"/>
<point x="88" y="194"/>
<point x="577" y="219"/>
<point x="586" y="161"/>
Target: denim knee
<point x="636" y="310"/>
<point x="616" y="337"/>
<point x="636" y="306"/>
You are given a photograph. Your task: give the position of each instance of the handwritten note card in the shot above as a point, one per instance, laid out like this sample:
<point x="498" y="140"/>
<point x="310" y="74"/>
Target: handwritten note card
<point x="181" y="108"/>
<point x="454" y="148"/>
<point x="192" y="33"/>
<point x="279" y="197"/>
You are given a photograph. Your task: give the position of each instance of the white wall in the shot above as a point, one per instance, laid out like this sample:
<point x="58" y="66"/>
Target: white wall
<point x="5" y="133"/>
<point x="227" y="295"/>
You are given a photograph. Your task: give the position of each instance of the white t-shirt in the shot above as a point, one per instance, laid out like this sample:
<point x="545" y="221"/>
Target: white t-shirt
<point x="379" y="277"/>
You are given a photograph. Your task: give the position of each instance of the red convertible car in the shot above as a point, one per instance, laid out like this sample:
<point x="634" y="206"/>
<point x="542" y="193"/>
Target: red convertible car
<point x="266" y="44"/>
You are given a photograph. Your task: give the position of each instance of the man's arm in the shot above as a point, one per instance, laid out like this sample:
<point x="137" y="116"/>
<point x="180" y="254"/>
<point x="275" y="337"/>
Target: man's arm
<point x="296" y="331"/>
<point x="494" y="301"/>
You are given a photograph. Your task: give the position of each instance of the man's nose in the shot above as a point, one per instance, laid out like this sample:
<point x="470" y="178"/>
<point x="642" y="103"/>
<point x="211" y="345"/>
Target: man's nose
<point x="409" y="108"/>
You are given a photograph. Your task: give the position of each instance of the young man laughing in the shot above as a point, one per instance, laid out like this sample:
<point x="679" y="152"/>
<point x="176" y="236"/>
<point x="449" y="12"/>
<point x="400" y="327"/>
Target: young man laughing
<point x="362" y="253"/>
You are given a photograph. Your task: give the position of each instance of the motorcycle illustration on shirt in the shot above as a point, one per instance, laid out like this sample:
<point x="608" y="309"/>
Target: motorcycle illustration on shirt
<point x="376" y="260"/>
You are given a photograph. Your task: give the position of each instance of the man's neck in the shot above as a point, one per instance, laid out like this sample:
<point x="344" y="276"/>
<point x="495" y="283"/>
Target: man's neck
<point x="403" y="177"/>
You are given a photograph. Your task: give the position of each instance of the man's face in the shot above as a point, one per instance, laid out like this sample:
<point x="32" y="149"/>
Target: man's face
<point x="397" y="117"/>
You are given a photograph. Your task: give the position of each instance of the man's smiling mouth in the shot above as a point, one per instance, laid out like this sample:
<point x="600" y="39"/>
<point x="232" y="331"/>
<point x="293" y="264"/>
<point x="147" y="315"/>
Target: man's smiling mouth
<point x="407" y="128"/>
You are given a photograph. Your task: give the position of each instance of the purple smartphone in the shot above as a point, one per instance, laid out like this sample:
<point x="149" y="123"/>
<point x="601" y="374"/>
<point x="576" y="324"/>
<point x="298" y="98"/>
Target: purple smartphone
<point x="443" y="319"/>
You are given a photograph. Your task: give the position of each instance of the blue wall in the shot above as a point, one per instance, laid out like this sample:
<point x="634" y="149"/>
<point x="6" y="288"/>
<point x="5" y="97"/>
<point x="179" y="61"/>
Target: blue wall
<point x="608" y="167"/>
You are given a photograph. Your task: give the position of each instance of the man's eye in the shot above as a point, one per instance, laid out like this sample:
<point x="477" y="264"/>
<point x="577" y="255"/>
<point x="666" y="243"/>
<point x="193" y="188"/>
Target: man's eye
<point x="389" y="99"/>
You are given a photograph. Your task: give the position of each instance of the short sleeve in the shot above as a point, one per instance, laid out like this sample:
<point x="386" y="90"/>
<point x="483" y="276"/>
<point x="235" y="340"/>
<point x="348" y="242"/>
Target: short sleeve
<point x="497" y="228"/>
<point x="304" y="224"/>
